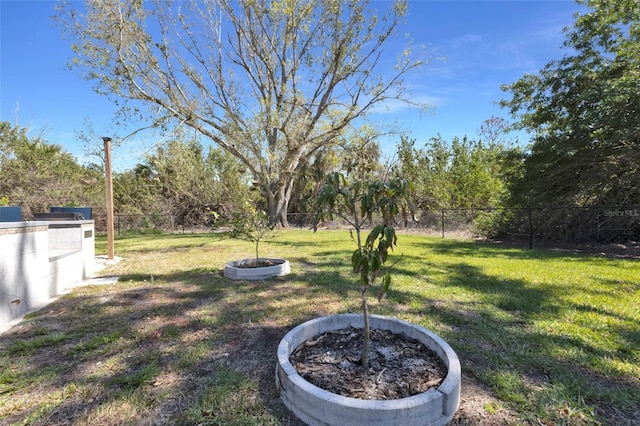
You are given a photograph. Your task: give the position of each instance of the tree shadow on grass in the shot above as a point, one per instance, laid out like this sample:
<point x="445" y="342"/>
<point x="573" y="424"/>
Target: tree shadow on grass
<point x="158" y="344"/>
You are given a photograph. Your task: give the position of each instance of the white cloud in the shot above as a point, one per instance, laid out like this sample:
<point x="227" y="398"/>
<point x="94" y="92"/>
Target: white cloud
<point x="396" y="106"/>
<point x="465" y="40"/>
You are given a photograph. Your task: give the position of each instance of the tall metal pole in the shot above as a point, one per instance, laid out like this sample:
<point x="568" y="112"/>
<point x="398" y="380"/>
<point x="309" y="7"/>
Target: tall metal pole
<point x="109" y="182"/>
<point x="530" y="228"/>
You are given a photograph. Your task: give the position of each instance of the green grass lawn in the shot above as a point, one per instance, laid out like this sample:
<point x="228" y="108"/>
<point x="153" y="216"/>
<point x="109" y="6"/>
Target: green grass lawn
<point x="553" y="336"/>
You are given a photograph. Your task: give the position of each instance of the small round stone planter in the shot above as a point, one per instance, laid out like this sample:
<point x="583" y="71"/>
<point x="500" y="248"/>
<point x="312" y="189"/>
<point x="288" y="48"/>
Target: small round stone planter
<point x="316" y="406"/>
<point x="233" y="271"/>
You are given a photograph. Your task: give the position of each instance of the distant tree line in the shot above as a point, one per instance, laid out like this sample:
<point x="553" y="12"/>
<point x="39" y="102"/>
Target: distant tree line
<point x="189" y="184"/>
<point x="36" y="175"/>
<point x="182" y="183"/>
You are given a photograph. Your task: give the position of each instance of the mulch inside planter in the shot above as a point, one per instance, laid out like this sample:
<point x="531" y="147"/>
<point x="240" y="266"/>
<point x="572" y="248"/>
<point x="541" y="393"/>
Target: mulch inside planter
<point x="260" y="263"/>
<point x="399" y="366"/>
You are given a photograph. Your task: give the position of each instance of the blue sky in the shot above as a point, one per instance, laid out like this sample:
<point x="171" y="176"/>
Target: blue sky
<point x="484" y="44"/>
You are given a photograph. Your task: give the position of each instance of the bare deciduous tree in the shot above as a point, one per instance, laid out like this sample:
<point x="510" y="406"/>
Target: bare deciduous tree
<point x="269" y="81"/>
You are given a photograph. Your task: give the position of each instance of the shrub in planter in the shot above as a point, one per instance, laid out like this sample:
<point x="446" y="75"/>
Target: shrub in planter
<point x="253" y="224"/>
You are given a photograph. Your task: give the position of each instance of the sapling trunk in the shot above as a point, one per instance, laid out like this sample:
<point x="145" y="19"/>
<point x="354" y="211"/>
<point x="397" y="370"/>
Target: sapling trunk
<point x="253" y="225"/>
<point x="366" y="332"/>
<point x="257" y="258"/>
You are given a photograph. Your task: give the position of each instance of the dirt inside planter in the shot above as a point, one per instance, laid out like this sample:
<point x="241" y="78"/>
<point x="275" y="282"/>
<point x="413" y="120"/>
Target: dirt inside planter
<point x="259" y="263"/>
<point x="399" y="366"/>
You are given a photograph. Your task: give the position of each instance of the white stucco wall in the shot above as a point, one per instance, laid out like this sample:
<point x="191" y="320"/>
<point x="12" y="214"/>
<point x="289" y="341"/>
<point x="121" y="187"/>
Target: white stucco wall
<point x="25" y="255"/>
<point x="38" y="261"/>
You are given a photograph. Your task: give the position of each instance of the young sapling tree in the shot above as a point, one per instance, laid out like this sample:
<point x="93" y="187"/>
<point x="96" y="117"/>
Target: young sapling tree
<point x="356" y="203"/>
<point x="254" y="225"/>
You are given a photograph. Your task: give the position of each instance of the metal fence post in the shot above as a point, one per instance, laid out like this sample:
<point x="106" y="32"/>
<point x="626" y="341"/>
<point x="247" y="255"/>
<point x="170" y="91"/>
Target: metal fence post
<point x="530" y="228"/>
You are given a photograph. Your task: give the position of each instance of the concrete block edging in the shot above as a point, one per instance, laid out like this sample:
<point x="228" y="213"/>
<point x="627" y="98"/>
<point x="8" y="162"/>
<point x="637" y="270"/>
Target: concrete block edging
<point x="316" y="406"/>
<point x="231" y="270"/>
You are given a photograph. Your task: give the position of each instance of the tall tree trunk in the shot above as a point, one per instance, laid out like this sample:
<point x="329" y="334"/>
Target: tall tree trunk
<point x="278" y="201"/>
<point x="282" y="208"/>
<point x="278" y="206"/>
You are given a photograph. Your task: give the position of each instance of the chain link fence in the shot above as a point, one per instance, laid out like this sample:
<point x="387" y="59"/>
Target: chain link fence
<point x="537" y="225"/>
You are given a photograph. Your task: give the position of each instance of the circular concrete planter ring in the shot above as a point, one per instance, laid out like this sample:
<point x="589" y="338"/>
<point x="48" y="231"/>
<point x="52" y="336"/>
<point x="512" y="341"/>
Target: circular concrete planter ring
<point x="281" y="267"/>
<point x="316" y="406"/>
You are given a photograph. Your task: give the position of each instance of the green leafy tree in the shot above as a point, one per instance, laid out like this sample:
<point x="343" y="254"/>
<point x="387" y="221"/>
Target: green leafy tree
<point x="461" y="174"/>
<point x="427" y="170"/>
<point x="357" y="203"/>
<point x="506" y="156"/>
<point x="134" y="192"/>
<point x="191" y="185"/>
<point x="271" y="82"/>
<point x="476" y="174"/>
<point x="36" y="174"/>
<point x="182" y="183"/>
<point x="584" y="114"/>
<point x="360" y="154"/>
<point x="309" y="181"/>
